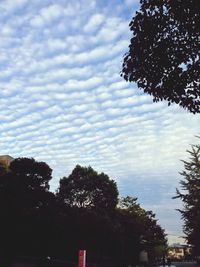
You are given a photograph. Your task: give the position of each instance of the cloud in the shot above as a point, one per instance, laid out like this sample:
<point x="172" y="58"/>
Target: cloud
<point x="94" y="22"/>
<point x="12" y="5"/>
<point x="47" y="15"/>
<point x="130" y="3"/>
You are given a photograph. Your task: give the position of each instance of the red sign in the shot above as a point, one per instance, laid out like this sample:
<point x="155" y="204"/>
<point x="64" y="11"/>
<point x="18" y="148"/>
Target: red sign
<point x="81" y="258"/>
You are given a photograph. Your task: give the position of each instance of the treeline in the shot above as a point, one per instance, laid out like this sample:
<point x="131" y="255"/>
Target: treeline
<point x="85" y="212"/>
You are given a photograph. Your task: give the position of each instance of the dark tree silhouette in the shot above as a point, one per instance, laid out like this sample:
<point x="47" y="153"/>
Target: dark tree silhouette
<point x="85" y="188"/>
<point x="85" y="213"/>
<point x="37" y="174"/>
<point x="26" y="207"/>
<point x="139" y="229"/>
<point x="190" y="195"/>
<point x="163" y="57"/>
<point x="24" y="185"/>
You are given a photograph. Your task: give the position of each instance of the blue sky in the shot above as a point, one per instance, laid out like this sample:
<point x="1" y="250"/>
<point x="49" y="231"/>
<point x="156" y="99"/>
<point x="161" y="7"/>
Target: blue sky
<point x="62" y="101"/>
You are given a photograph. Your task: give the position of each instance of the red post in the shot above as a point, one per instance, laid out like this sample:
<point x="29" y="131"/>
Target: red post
<point x="81" y="258"/>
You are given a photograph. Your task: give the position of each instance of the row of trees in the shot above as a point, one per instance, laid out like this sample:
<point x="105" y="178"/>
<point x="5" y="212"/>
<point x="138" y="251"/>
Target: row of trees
<point x="85" y="212"/>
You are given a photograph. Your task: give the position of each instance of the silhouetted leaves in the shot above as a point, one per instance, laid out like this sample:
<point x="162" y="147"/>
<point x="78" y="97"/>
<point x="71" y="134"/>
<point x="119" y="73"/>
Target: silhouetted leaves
<point x="190" y="195"/>
<point x="36" y="174"/>
<point x="82" y="214"/>
<point x="85" y="188"/>
<point x="139" y="229"/>
<point x="163" y="57"/>
<point x="25" y="206"/>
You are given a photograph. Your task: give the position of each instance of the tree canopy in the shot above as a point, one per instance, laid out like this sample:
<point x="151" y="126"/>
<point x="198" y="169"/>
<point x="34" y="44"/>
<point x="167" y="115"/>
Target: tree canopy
<point x="140" y="229"/>
<point x="37" y="174"/>
<point x="85" y="188"/>
<point x="24" y="183"/>
<point x="26" y="207"/>
<point x="163" y="57"/>
<point x="85" y="212"/>
<point x="190" y="195"/>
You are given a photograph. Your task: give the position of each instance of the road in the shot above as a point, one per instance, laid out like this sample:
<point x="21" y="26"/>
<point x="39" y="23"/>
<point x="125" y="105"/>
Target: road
<point x="183" y="264"/>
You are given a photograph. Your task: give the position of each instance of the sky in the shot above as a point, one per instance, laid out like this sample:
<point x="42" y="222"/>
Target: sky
<point x="62" y="101"/>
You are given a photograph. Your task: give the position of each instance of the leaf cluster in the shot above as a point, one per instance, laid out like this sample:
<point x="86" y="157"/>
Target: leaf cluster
<point x="163" y="57"/>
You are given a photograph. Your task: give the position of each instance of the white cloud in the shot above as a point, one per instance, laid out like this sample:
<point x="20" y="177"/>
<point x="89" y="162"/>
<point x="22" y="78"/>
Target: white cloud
<point x="47" y="15"/>
<point x="7" y="30"/>
<point x="94" y="22"/>
<point x="56" y="44"/>
<point x="51" y="12"/>
<point x="130" y="2"/>
<point x="37" y="21"/>
<point x="12" y="5"/>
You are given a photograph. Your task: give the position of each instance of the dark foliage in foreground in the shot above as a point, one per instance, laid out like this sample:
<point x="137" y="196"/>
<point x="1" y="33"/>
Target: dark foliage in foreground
<point x="164" y="52"/>
<point x="85" y="213"/>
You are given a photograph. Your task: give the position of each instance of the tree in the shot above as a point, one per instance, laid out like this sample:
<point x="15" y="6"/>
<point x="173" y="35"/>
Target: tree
<point x="26" y="207"/>
<point x="140" y="230"/>
<point x="25" y="186"/>
<point x="190" y="196"/>
<point x="163" y="57"/>
<point x="85" y="188"/>
<point x="83" y="214"/>
<point x="36" y="174"/>
<point x="87" y="203"/>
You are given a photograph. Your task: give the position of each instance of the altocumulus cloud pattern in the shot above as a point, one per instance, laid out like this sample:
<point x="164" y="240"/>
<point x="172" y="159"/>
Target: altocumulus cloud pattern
<point x="62" y="99"/>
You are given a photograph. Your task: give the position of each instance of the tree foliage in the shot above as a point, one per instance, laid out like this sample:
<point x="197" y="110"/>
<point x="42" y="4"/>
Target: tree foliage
<point x="24" y="184"/>
<point x="36" y="174"/>
<point x="25" y="206"/>
<point x="85" y="188"/>
<point x="190" y="195"/>
<point x="84" y="213"/>
<point x="140" y="229"/>
<point x="163" y="57"/>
